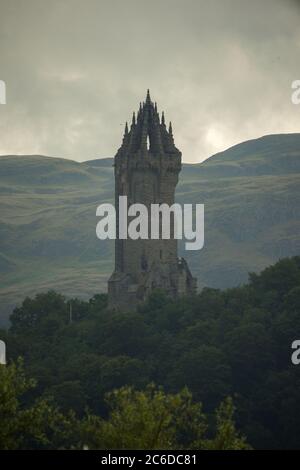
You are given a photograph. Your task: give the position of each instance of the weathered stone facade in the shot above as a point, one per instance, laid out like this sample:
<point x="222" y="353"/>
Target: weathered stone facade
<point x="146" y="171"/>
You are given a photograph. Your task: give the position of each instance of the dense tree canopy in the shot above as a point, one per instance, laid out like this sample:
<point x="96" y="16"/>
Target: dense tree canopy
<point x="149" y="419"/>
<point x="235" y="343"/>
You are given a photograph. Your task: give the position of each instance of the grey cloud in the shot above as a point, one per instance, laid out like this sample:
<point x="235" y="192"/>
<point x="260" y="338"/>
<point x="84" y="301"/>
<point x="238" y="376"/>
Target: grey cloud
<point x="75" y="71"/>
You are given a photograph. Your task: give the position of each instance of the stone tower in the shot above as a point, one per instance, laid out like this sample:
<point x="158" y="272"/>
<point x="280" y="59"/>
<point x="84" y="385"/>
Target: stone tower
<point x="146" y="171"/>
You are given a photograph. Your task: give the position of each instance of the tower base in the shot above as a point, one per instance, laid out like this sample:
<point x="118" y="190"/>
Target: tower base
<point x="127" y="291"/>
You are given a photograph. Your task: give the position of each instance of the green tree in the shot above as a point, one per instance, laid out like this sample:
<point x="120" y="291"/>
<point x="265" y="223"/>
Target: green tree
<point x="35" y="311"/>
<point x="226" y="437"/>
<point x="151" y="419"/>
<point x="39" y="425"/>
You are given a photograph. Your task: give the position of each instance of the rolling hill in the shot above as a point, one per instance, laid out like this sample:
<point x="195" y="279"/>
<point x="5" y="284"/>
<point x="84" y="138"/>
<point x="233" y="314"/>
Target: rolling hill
<point x="48" y="205"/>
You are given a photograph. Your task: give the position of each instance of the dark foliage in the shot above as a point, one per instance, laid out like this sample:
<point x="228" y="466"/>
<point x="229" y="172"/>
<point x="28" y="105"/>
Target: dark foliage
<point x="235" y="342"/>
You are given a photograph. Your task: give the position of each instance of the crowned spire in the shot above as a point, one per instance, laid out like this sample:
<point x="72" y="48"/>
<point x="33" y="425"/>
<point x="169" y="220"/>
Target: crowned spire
<point x="148" y="132"/>
<point x="133" y="119"/>
<point x="125" y="136"/>
<point x="148" y="99"/>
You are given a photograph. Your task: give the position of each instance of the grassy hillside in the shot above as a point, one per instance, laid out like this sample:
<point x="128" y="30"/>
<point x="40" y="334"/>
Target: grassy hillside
<point x="47" y="218"/>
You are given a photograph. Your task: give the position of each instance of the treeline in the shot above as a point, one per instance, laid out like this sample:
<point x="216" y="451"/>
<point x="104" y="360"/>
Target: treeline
<point x="233" y="343"/>
<point x="147" y="419"/>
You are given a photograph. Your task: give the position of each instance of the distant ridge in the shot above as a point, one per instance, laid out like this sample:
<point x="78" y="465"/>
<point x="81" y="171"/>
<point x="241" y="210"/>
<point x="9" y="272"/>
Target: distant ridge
<point x="284" y="142"/>
<point x="102" y="162"/>
<point x="251" y="194"/>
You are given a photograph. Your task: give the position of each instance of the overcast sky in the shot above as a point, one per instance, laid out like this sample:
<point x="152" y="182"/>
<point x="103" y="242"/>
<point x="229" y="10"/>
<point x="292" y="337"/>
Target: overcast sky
<point x="76" y="69"/>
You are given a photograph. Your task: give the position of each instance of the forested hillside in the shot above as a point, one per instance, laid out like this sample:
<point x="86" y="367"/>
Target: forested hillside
<point x="232" y="343"/>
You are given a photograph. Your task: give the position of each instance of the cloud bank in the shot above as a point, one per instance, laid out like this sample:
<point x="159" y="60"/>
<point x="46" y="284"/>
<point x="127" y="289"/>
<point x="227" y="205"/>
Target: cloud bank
<point x="75" y="70"/>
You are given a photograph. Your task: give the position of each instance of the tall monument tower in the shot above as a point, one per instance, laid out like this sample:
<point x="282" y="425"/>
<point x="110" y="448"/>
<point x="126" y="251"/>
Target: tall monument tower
<point x="146" y="171"/>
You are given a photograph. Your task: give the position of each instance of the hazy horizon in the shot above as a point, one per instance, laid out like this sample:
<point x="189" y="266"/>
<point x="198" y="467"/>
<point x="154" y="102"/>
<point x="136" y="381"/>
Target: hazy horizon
<point x="104" y="157"/>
